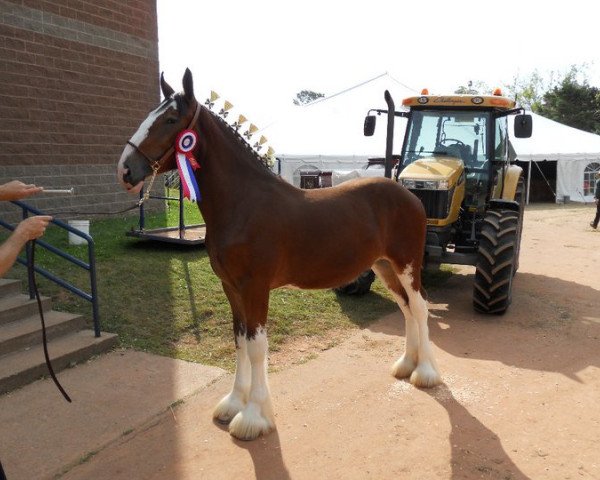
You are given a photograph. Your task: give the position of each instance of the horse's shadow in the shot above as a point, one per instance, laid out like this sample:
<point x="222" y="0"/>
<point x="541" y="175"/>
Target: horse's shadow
<point x="542" y="311"/>
<point x="542" y="316"/>
<point x="266" y="455"/>
<point x="476" y="450"/>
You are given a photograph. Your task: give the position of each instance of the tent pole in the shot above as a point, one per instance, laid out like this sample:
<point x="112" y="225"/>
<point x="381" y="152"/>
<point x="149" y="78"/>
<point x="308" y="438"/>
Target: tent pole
<point x="528" y="182"/>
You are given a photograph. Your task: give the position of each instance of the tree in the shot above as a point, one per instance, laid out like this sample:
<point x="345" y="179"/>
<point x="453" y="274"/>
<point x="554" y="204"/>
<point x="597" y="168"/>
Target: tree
<point x="529" y="91"/>
<point x="473" y="88"/>
<point x="573" y="103"/>
<point x="305" y="97"/>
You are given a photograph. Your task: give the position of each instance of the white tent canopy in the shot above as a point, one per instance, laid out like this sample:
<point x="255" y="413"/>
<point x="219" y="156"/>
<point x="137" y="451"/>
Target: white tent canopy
<point x="572" y="149"/>
<point x="328" y="133"/>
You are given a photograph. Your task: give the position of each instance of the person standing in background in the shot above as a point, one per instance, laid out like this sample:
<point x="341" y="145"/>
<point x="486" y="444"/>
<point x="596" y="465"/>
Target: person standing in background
<point x="594" y="223"/>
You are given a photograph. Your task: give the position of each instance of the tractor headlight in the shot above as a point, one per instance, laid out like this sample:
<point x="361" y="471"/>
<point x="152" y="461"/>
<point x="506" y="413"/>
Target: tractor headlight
<point x="413" y="184"/>
<point x="408" y="183"/>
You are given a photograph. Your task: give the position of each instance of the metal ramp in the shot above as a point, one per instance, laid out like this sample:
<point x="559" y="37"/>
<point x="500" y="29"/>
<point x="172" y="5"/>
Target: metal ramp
<point x="189" y="235"/>
<point x="182" y="234"/>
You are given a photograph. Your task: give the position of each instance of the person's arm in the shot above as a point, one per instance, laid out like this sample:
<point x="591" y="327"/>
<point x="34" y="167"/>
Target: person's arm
<point x="29" y="229"/>
<point x="17" y="190"/>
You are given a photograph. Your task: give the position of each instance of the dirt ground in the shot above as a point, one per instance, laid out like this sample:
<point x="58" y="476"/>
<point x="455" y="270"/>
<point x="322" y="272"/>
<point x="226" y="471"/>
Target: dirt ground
<point x="520" y="399"/>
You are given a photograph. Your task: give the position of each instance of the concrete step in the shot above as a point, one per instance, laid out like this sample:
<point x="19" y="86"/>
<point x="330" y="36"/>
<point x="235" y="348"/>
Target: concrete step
<point x="27" y="365"/>
<point x="9" y="288"/>
<point x="19" y="306"/>
<point x="28" y="331"/>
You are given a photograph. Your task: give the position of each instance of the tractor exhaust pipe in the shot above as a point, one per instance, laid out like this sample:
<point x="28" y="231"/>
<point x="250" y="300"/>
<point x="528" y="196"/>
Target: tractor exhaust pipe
<point x="389" y="143"/>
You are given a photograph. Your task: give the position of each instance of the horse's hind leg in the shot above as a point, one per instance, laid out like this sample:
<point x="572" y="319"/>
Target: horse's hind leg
<point x="235" y="401"/>
<point x="426" y="374"/>
<point x="406" y="364"/>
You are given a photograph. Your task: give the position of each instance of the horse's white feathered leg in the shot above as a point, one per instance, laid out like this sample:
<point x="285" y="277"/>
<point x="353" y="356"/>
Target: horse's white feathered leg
<point x="406" y="364"/>
<point x="426" y="374"/>
<point x="235" y="401"/>
<point x="257" y="417"/>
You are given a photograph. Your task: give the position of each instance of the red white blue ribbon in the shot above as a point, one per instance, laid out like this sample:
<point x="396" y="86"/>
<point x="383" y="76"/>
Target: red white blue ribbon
<point x="187" y="164"/>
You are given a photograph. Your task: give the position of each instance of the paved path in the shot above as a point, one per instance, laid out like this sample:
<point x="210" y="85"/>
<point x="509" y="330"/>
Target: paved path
<point x="113" y="395"/>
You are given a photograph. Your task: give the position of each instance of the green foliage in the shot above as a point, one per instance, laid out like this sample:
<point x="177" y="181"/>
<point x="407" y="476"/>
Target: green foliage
<point x="474" y="88"/>
<point x="565" y="97"/>
<point x="573" y="103"/>
<point x="529" y="91"/>
<point x="305" y="97"/>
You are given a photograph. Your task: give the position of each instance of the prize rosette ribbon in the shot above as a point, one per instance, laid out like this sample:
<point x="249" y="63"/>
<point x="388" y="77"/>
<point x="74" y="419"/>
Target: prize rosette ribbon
<point x="187" y="164"/>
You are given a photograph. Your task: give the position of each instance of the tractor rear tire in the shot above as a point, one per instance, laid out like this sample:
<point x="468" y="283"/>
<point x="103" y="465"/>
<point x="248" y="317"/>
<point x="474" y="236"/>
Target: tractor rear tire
<point x="520" y="198"/>
<point x="360" y="286"/>
<point x="496" y="262"/>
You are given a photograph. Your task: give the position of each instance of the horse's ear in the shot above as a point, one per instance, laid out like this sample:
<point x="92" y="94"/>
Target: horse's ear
<point x="165" y="87"/>
<point x="188" y="85"/>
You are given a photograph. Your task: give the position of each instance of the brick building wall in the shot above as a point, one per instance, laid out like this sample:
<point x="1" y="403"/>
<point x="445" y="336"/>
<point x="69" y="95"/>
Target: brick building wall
<point x="76" y="79"/>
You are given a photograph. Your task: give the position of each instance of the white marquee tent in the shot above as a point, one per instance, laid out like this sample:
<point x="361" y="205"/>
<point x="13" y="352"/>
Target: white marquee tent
<point x="327" y="135"/>
<point x="572" y="149"/>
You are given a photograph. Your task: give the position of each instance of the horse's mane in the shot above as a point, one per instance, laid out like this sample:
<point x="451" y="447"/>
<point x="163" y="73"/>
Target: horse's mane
<point x="234" y="136"/>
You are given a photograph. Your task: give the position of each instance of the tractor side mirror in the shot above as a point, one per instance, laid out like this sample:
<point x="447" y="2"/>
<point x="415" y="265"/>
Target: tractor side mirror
<point x="523" y="126"/>
<point x="369" y="127"/>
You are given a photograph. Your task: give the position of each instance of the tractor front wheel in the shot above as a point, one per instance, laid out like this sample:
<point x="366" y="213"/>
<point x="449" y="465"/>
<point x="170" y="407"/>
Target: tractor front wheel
<point x="496" y="262"/>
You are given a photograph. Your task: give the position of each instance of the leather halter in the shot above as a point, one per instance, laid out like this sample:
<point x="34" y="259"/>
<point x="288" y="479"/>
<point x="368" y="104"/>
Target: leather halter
<point x="155" y="164"/>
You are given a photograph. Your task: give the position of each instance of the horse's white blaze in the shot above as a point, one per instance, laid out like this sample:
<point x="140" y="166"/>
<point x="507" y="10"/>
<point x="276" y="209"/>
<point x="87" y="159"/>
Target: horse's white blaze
<point x="235" y="401"/>
<point x="142" y="132"/>
<point x="426" y="374"/>
<point x="257" y="417"/>
<point x="121" y="170"/>
<point x="137" y="139"/>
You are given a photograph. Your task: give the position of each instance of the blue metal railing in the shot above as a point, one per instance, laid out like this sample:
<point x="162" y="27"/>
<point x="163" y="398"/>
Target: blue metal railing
<point x="90" y="266"/>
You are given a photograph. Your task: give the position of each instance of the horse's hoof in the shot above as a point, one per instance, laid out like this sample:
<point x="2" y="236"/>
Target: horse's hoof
<point x="425" y="376"/>
<point x="227" y="409"/>
<point x="249" y="424"/>
<point x="404" y="367"/>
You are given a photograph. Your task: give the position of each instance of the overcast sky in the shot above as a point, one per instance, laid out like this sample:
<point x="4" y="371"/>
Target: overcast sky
<point x="258" y="54"/>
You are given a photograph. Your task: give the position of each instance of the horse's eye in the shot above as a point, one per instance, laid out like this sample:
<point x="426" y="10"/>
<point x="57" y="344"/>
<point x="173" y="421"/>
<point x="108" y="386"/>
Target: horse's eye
<point x="171" y="121"/>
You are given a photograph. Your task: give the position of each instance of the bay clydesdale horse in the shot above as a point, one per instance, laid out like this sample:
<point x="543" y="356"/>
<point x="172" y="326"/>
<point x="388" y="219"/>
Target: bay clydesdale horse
<point x="263" y="233"/>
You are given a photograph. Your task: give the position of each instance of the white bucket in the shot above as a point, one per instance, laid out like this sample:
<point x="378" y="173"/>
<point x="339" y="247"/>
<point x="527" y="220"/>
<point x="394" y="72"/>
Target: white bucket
<point x="84" y="226"/>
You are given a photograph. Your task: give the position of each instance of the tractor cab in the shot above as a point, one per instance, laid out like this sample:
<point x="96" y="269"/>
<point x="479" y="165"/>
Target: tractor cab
<point x="457" y="159"/>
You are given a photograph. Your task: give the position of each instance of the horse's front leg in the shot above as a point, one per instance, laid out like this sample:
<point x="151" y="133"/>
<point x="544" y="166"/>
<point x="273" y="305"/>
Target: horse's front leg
<point x="257" y="417"/>
<point x="235" y="401"/>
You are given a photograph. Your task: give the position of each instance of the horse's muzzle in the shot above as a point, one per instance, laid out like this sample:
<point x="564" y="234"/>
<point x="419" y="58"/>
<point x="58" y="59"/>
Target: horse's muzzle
<point x="131" y="170"/>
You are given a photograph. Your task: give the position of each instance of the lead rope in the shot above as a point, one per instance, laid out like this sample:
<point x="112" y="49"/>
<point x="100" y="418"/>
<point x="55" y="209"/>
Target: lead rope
<point x="146" y="195"/>
<point x="31" y="271"/>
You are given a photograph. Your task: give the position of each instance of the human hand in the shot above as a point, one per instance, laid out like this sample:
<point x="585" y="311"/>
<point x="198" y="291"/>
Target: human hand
<point x="32" y="227"/>
<point x="17" y="190"/>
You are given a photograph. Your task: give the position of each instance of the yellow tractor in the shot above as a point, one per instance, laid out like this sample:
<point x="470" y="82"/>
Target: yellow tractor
<point x="456" y="158"/>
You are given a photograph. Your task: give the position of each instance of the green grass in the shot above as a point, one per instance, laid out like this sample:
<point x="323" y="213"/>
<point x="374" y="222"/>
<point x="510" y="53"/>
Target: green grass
<point x="165" y="299"/>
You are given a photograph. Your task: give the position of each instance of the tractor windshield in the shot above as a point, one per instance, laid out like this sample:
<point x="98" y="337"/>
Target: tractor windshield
<point x="460" y="134"/>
